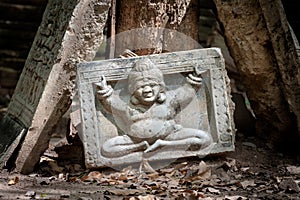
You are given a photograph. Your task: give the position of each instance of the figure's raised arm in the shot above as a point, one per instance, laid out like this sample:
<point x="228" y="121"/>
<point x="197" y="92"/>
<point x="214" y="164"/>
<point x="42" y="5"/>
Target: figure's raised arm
<point x="185" y="94"/>
<point x="109" y="100"/>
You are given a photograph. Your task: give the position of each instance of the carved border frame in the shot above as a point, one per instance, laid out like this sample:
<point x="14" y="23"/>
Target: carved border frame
<point x="209" y="59"/>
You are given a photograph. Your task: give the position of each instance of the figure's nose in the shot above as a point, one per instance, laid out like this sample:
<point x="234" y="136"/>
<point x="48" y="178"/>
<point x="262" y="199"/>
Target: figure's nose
<point x="147" y="89"/>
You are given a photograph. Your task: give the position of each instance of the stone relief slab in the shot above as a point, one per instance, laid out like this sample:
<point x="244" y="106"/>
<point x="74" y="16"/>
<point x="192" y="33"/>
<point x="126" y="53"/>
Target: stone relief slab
<point x="155" y="108"/>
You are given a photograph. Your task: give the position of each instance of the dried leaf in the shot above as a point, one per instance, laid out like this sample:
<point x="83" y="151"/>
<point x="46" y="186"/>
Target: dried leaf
<point x="148" y="197"/>
<point x="123" y="192"/>
<point x="123" y="177"/>
<point x="235" y="198"/>
<point x="289" y="185"/>
<point x="73" y="179"/>
<point x="229" y="164"/>
<point x="277" y="179"/>
<point x="247" y="183"/>
<point x="213" y="190"/>
<point x="112" y="181"/>
<point x="232" y="188"/>
<point x="52" y="178"/>
<point x="14" y="181"/>
<point x="167" y="170"/>
<point x="65" y="195"/>
<point x="33" y="175"/>
<point x="173" y="183"/>
<point x="205" y="175"/>
<point x="293" y="169"/>
<point x="92" y="176"/>
<point x="30" y="194"/>
<point x="127" y="169"/>
<point x="200" y="172"/>
<point x="61" y="176"/>
<point x="84" y="178"/>
<point x="222" y="174"/>
<point x="181" y="165"/>
<point x="190" y="195"/>
<point x="203" y="168"/>
<point x="153" y="175"/>
<point x="46" y="159"/>
<point x="244" y="169"/>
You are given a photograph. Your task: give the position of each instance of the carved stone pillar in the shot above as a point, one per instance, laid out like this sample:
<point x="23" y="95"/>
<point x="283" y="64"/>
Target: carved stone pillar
<point x="70" y="32"/>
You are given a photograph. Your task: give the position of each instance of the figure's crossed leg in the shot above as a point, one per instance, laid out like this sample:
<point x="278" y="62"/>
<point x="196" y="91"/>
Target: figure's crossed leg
<point x="121" y="146"/>
<point x="185" y="137"/>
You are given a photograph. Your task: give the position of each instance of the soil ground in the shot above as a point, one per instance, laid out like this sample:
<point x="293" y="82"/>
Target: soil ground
<point x="253" y="171"/>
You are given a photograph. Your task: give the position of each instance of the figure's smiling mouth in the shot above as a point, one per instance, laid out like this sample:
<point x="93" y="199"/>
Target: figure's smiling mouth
<point x="148" y="94"/>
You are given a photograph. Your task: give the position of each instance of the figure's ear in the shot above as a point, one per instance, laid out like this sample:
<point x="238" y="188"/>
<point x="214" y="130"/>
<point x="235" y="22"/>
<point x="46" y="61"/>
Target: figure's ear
<point x="161" y="97"/>
<point x="134" y="100"/>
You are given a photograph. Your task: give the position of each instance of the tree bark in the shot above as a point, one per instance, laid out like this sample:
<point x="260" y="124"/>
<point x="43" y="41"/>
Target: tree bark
<point x="260" y="41"/>
<point x="179" y="15"/>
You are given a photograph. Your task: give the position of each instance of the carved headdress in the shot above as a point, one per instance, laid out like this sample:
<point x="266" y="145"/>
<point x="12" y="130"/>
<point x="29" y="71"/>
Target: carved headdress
<point x="144" y="70"/>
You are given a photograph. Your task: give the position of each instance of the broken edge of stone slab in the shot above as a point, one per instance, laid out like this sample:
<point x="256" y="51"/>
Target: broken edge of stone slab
<point x="12" y="134"/>
<point x="209" y="59"/>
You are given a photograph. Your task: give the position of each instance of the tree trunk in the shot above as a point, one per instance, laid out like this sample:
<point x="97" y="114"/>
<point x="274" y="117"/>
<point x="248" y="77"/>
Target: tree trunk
<point x="260" y="41"/>
<point x="140" y="16"/>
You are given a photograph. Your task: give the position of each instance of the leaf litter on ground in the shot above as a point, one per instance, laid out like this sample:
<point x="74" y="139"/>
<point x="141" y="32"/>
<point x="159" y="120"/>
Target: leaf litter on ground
<point x="233" y="177"/>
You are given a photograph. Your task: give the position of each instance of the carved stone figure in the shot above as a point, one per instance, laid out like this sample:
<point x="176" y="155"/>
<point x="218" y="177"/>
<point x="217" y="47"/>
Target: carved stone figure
<point x="148" y="119"/>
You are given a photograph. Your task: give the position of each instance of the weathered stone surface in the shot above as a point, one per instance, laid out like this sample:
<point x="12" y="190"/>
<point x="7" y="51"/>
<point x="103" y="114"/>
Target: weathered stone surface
<point x="210" y="112"/>
<point x="261" y="44"/>
<point x="70" y="32"/>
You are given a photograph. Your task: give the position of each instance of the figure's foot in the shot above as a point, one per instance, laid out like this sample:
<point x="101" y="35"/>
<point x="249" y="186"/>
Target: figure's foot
<point x="154" y="146"/>
<point x="145" y="145"/>
<point x="194" y="147"/>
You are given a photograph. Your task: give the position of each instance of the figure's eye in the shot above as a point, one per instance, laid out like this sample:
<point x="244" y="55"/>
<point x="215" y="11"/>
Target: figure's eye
<point x="152" y="84"/>
<point x="138" y="86"/>
<point x="139" y="90"/>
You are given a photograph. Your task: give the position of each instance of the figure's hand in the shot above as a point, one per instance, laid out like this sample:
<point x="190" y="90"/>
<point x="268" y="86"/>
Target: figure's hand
<point x="102" y="84"/>
<point x="103" y="90"/>
<point x="194" y="80"/>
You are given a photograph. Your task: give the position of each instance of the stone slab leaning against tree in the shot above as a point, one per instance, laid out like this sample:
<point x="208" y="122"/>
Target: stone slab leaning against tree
<point x="149" y="116"/>
<point x="159" y="107"/>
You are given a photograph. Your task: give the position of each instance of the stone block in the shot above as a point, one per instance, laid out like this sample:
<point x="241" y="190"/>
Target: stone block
<point x="117" y="131"/>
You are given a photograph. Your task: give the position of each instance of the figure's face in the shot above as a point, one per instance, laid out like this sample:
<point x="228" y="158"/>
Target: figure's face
<point x="147" y="92"/>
